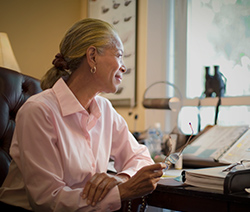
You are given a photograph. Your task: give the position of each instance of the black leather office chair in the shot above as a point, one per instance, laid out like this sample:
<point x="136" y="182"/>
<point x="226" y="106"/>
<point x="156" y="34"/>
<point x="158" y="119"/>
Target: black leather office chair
<point x="15" y="89"/>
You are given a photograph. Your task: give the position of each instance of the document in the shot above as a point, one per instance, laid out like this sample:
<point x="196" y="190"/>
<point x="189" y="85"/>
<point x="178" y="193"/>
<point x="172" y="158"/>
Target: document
<point x="216" y="142"/>
<point x="240" y="150"/>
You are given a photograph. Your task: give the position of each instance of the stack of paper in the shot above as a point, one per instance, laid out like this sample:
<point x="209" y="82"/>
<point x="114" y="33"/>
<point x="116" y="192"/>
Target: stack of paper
<point x="211" y="178"/>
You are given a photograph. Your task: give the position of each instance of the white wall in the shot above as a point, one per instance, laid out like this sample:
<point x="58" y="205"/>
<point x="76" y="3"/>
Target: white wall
<point x="166" y="55"/>
<point x="156" y="54"/>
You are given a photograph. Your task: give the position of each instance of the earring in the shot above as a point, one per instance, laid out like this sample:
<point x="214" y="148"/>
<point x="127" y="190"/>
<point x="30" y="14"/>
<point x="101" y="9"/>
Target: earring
<point x="93" y="70"/>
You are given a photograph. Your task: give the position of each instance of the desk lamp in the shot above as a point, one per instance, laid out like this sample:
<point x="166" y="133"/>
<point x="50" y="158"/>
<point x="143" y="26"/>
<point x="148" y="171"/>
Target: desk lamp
<point x="7" y="57"/>
<point x="173" y="103"/>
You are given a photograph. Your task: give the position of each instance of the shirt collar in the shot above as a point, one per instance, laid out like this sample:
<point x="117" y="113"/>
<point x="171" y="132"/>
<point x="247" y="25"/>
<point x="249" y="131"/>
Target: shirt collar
<point x="69" y="104"/>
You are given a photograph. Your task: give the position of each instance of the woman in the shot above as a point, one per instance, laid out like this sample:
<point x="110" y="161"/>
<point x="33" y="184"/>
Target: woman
<point x="65" y="136"/>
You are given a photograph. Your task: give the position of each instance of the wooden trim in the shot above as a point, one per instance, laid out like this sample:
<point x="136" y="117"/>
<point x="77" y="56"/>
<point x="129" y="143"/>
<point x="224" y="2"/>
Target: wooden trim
<point x="226" y="101"/>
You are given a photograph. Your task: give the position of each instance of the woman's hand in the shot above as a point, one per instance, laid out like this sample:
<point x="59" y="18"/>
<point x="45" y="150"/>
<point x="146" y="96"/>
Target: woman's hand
<point x="142" y="183"/>
<point x="99" y="185"/>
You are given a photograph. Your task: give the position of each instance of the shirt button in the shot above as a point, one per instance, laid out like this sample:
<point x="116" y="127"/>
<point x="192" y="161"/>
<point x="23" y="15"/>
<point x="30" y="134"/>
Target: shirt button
<point x="93" y="165"/>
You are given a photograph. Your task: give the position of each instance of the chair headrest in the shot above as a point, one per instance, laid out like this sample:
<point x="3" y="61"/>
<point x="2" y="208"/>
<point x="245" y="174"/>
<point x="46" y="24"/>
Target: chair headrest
<point x="15" y="89"/>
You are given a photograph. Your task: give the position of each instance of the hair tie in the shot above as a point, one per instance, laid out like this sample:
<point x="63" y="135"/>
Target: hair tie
<point x="60" y="63"/>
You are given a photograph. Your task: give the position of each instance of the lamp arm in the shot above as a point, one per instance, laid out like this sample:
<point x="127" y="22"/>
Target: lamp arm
<point x="165" y="82"/>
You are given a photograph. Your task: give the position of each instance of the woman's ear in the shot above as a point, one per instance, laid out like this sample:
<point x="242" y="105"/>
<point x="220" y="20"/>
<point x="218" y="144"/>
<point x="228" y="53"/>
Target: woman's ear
<point x="91" y="55"/>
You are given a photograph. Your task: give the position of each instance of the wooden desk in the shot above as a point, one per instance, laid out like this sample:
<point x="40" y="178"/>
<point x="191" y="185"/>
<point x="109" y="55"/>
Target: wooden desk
<point x="188" y="198"/>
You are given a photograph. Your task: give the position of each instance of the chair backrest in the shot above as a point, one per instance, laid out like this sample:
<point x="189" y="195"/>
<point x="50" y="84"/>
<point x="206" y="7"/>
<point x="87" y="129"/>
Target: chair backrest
<point x="15" y="89"/>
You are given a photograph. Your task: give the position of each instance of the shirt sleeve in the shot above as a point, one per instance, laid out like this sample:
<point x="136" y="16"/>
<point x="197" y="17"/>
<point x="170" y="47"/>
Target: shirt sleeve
<point x="37" y="156"/>
<point x="128" y="154"/>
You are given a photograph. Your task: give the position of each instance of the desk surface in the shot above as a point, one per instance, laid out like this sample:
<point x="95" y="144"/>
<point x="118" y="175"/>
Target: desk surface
<point x="175" y="196"/>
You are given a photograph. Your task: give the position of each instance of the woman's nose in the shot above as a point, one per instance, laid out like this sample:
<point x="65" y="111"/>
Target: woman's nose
<point x="123" y="69"/>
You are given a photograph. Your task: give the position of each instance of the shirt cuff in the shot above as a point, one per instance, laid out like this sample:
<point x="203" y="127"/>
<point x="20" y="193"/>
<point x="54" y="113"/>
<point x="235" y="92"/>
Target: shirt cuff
<point x="130" y="171"/>
<point x="112" y="200"/>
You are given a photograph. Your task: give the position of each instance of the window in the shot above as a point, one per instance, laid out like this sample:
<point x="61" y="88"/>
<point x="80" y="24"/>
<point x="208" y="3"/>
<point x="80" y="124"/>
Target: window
<point x="218" y="33"/>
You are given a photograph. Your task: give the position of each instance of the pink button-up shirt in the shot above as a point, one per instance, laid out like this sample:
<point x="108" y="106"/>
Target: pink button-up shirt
<point x="58" y="146"/>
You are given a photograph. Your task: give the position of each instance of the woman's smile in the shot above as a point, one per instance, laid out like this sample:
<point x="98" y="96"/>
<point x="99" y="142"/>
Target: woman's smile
<point x="118" y="77"/>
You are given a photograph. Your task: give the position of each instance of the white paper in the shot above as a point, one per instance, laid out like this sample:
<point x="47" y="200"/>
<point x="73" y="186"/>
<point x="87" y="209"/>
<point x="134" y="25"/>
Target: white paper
<point x="239" y="151"/>
<point x="215" y="142"/>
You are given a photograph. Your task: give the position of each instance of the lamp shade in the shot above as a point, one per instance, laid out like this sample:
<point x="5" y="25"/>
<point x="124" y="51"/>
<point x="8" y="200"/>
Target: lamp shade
<point x="7" y="57"/>
<point x="173" y="103"/>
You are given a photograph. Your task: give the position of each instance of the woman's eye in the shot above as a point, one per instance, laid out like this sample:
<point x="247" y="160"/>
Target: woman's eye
<point x="119" y="55"/>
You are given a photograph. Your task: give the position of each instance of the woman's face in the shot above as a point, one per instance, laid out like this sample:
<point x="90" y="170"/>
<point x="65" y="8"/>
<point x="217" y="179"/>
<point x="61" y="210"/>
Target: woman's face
<point x="110" y="68"/>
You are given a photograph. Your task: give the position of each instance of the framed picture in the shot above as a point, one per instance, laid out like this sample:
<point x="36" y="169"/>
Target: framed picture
<point x="122" y="14"/>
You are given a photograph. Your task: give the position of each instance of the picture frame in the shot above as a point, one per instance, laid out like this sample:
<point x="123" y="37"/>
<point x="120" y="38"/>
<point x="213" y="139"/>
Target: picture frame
<point x="122" y="14"/>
